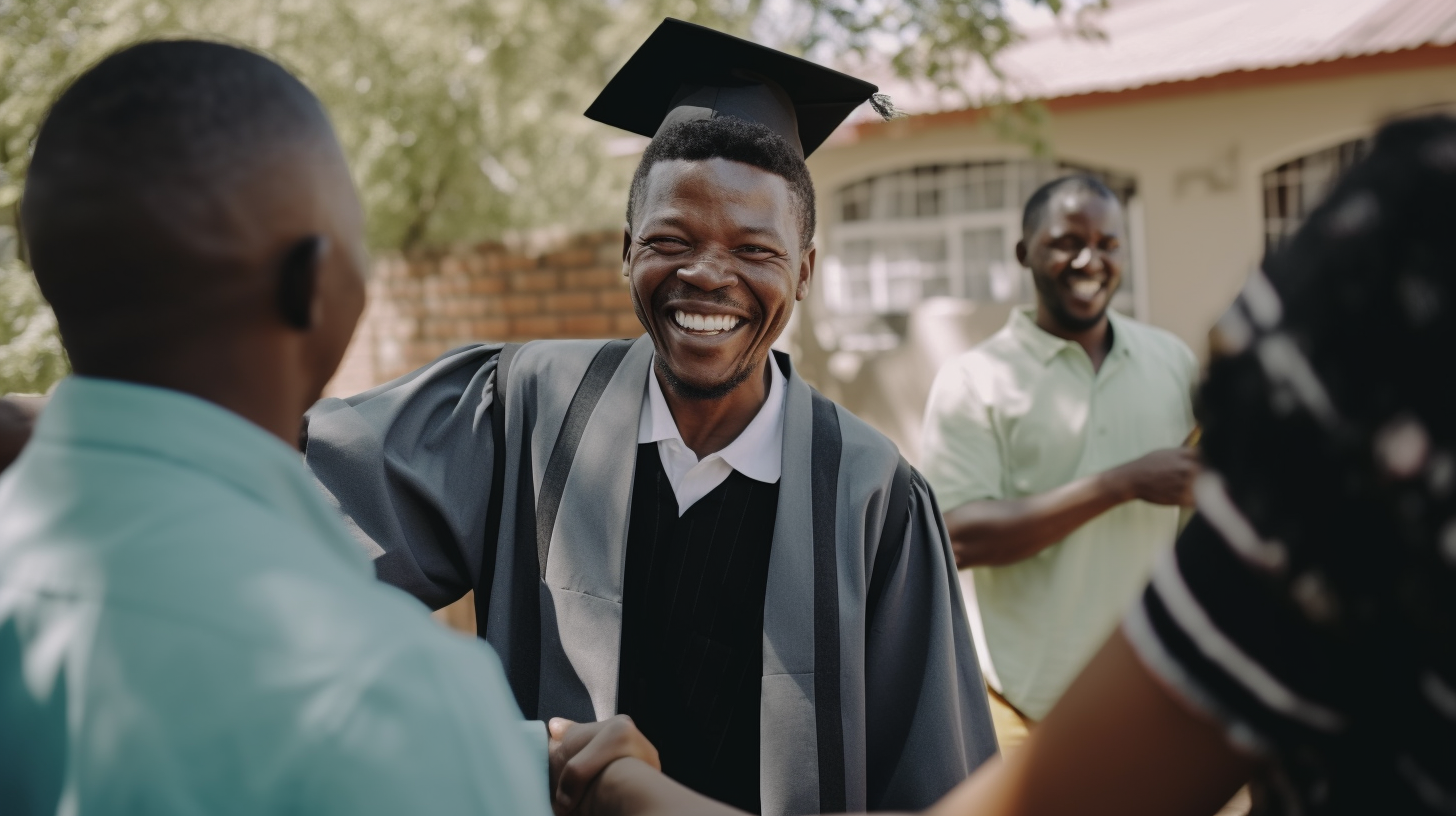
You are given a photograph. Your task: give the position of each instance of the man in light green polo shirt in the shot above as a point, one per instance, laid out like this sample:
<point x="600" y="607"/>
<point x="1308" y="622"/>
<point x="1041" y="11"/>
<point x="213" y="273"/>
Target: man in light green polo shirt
<point x="1055" y="447"/>
<point x="186" y="625"/>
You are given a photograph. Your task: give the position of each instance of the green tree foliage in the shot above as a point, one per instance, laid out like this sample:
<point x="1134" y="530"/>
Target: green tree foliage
<point x="30" y="350"/>
<point x="462" y="118"/>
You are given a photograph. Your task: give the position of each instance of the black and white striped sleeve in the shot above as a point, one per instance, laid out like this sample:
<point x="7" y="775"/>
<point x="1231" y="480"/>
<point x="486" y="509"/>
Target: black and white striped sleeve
<point x="1226" y="626"/>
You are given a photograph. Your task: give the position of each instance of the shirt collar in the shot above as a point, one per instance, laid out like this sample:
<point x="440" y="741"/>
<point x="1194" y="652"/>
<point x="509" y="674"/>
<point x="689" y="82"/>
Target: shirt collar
<point x="193" y="434"/>
<point x="757" y="452"/>
<point x="1044" y="345"/>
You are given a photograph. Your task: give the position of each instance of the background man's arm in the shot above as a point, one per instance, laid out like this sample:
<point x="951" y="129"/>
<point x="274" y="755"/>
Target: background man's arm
<point x="992" y="532"/>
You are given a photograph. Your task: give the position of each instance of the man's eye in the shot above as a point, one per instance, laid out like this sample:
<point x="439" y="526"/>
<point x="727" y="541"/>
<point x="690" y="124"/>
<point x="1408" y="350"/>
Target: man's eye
<point x="752" y="249"/>
<point x="666" y="243"/>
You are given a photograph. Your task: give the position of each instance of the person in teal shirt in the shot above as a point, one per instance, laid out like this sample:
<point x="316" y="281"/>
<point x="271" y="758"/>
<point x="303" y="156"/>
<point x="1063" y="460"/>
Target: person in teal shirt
<point x="186" y="624"/>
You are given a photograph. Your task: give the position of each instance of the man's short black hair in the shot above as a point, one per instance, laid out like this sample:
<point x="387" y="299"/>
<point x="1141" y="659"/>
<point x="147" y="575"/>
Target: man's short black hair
<point x="148" y="147"/>
<point x="1034" y="214"/>
<point x="734" y="139"/>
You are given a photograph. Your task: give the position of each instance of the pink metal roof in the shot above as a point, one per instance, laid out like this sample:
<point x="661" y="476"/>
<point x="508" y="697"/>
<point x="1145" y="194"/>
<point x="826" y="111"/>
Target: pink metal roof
<point x="1149" y="42"/>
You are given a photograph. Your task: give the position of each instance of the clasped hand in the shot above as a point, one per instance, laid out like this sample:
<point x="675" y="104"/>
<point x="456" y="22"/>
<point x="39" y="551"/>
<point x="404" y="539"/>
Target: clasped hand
<point x="579" y="752"/>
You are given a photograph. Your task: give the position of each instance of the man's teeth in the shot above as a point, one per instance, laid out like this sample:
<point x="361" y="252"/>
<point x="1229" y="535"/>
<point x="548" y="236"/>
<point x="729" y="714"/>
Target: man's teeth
<point x="1086" y="288"/>
<point x="706" y="323"/>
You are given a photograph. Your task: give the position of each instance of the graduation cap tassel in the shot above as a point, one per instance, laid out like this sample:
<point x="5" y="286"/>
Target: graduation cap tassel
<point x="885" y="107"/>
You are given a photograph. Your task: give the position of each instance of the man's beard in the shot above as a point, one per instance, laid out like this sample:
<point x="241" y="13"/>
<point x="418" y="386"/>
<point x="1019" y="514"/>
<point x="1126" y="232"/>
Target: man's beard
<point x="718" y="391"/>
<point x="1051" y="295"/>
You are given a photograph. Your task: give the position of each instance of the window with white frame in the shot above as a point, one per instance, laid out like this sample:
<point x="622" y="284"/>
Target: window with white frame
<point x="898" y="238"/>
<point x="1293" y="189"/>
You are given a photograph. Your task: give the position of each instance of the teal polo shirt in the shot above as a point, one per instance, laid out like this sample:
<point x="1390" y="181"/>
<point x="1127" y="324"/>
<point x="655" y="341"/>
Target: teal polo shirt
<point x="1024" y="413"/>
<point x="187" y="627"/>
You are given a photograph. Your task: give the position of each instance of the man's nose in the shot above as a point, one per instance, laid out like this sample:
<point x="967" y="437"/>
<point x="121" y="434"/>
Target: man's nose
<point x="1091" y="260"/>
<point x="708" y="273"/>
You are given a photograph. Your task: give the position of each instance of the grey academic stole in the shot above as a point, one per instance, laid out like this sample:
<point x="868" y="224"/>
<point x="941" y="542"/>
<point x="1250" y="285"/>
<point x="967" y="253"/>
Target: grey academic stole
<point x="534" y="545"/>
<point x="826" y="447"/>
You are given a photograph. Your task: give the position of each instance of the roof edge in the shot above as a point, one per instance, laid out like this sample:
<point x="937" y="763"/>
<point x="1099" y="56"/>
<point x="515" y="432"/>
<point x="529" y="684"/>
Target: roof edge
<point x="1408" y="59"/>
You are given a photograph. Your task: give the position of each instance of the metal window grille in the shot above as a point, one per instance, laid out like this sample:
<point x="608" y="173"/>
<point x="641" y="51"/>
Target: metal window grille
<point x="1293" y="189"/>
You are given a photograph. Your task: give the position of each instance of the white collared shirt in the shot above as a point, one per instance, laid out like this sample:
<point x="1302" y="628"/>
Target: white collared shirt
<point x="757" y="452"/>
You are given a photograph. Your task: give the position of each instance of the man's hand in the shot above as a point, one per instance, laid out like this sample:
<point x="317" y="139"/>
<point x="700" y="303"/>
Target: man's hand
<point x="992" y="532"/>
<point x="1161" y="477"/>
<point x="581" y="751"/>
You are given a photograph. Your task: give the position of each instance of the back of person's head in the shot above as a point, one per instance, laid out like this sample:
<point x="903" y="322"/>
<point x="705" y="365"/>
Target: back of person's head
<point x="733" y="139"/>
<point x="1330" y="410"/>
<point x="185" y="195"/>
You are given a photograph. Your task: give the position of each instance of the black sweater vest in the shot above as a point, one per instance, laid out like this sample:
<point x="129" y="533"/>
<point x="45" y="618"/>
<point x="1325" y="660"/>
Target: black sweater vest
<point x="692" y="628"/>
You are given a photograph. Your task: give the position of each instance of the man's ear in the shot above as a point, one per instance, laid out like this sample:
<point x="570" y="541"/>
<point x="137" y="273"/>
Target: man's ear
<point x="1021" y="252"/>
<point x="298" y="282"/>
<point x="806" y="272"/>
<point x="626" y="248"/>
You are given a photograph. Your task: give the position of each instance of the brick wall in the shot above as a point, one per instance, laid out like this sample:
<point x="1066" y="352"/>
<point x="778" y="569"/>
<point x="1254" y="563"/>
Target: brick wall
<point x="422" y="306"/>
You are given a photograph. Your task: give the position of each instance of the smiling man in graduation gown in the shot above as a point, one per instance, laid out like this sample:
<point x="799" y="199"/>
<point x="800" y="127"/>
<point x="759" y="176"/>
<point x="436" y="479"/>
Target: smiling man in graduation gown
<point x="678" y="527"/>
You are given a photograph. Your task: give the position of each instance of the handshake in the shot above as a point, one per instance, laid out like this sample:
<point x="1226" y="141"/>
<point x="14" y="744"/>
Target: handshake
<point x="580" y="753"/>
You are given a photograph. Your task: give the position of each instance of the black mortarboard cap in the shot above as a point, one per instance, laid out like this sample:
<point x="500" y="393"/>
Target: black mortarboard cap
<point x="685" y="72"/>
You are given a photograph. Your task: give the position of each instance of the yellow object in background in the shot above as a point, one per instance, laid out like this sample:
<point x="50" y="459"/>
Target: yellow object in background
<point x="1186" y="514"/>
<point x="1194" y="437"/>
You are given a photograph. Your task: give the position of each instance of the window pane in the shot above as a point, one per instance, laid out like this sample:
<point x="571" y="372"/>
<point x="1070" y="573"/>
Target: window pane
<point x="854" y="293"/>
<point x="989" y="274"/>
<point x="913" y="269"/>
<point x="854" y="202"/>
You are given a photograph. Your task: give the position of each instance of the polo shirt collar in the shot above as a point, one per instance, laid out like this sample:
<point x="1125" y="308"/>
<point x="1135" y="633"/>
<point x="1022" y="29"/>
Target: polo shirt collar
<point x="1044" y="345"/>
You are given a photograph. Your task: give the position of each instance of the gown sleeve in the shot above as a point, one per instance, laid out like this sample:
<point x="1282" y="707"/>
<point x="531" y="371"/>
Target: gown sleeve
<point x="929" y="725"/>
<point x="409" y="465"/>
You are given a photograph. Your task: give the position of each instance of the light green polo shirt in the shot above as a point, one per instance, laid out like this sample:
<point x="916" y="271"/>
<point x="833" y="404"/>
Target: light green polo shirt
<point x="187" y="627"/>
<point x="1023" y="413"/>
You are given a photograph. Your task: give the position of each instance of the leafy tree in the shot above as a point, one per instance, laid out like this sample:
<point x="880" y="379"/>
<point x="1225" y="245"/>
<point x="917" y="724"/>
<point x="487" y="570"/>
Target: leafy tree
<point x="462" y="118"/>
<point x="30" y="350"/>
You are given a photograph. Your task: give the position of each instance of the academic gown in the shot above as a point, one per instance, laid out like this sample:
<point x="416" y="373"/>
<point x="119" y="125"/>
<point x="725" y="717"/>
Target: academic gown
<point x="860" y="708"/>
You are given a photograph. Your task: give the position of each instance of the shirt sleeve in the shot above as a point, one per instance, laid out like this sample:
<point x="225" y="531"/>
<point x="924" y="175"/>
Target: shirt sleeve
<point x="1238" y="639"/>
<point x="409" y="464"/>
<point x="960" y="454"/>
<point x="928" y="725"/>
<point x="435" y="732"/>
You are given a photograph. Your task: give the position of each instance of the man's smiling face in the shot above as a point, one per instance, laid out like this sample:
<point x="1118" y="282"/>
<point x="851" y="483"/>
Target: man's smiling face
<point x="1076" y="256"/>
<point x="716" y="262"/>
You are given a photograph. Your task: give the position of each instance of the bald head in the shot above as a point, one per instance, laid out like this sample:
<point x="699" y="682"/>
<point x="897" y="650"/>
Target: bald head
<point x="172" y="184"/>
